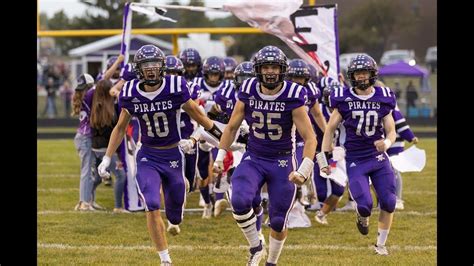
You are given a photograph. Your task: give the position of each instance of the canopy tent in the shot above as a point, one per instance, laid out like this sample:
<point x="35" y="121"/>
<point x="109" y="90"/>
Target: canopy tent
<point x="403" y="69"/>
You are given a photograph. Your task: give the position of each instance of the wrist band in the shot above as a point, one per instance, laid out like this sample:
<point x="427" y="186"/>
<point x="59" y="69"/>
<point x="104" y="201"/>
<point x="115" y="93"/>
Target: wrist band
<point x="388" y="143"/>
<point x="306" y="168"/>
<point x="220" y="155"/>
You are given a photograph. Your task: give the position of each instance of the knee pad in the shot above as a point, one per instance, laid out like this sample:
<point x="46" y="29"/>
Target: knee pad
<point x="364" y="209"/>
<point x="388" y="203"/>
<point x="174" y="215"/>
<point x="321" y="197"/>
<point x="277" y="223"/>
<point x="153" y="205"/>
<point x="337" y="190"/>
<point x="240" y="204"/>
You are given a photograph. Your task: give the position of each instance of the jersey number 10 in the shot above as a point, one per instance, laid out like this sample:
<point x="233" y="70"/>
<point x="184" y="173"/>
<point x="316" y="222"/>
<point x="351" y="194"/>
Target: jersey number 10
<point x="156" y="119"/>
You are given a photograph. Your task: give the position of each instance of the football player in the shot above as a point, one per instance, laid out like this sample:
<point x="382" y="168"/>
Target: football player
<point x="365" y="111"/>
<point x="155" y="100"/>
<point x="272" y="107"/>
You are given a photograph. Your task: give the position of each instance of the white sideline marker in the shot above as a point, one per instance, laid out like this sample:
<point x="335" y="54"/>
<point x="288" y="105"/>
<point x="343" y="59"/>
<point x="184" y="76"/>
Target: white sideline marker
<point x="228" y="247"/>
<point x="228" y="209"/>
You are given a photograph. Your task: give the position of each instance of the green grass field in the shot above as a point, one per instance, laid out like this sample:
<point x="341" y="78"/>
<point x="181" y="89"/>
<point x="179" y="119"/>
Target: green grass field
<point x="68" y="237"/>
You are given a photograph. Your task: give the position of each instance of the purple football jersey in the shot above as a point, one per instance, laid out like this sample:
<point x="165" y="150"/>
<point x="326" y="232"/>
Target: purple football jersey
<point x="403" y="133"/>
<point x="84" y="127"/>
<point x="272" y="132"/>
<point x="362" y="118"/>
<point x="159" y="111"/>
<point x="317" y="130"/>
<point x="313" y="95"/>
<point x="208" y="92"/>
<point x="226" y="98"/>
<point x="187" y="126"/>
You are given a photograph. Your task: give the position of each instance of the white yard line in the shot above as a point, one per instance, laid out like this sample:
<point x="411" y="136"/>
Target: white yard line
<point x="228" y="247"/>
<point x="68" y="175"/>
<point x="419" y="192"/>
<point x="58" y="163"/>
<point x="47" y="212"/>
<point x="57" y="190"/>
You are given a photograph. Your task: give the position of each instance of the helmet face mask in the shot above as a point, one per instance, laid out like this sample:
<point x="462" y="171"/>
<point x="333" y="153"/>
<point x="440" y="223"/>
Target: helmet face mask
<point x="230" y="64"/>
<point x="359" y="65"/>
<point x="242" y="72"/>
<point x="264" y="65"/>
<point x="298" y="72"/>
<point x="150" y="64"/>
<point x="173" y="66"/>
<point x="151" y="69"/>
<point x="327" y="92"/>
<point x="213" y="70"/>
<point x="191" y="60"/>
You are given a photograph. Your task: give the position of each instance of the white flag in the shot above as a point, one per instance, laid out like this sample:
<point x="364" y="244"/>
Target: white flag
<point x="311" y="32"/>
<point x="412" y="159"/>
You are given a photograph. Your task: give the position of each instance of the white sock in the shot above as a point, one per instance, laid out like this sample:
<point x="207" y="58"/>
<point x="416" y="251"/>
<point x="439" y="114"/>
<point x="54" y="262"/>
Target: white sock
<point x="251" y="234"/>
<point x="264" y="195"/>
<point x="164" y="255"/>
<point x="382" y="237"/>
<point x="274" y="249"/>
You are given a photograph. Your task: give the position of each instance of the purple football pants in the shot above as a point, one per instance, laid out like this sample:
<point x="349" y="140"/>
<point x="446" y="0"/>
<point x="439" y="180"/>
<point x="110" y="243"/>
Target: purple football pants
<point x="248" y="179"/>
<point x="380" y="171"/>
<point x="165" y="168"/>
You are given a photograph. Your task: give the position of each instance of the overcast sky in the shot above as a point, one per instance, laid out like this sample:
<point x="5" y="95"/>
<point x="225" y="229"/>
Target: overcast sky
<point x="75" y="8"/>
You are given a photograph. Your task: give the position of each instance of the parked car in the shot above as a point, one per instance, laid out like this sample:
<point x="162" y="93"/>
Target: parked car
<point x="431" y="58"/>
<point x="393" y="56"/>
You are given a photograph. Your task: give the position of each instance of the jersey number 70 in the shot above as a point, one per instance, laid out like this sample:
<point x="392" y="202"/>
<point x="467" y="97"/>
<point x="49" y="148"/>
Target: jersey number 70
<point x="369" y="129"/>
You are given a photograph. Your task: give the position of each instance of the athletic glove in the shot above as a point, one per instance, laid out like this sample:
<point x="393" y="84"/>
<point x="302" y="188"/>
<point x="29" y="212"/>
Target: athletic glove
<point x="102" y="168"/>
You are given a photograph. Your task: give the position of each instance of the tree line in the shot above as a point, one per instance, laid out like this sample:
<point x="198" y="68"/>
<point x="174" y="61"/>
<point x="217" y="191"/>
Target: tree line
<point x="370" y="26"/>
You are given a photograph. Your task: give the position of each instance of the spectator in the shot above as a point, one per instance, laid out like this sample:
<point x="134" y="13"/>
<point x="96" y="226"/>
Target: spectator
<point x="66" y="93"/>
<point x="412" y="96"/>
<point x="50" y="107"/>
<point x="397" y="90"/>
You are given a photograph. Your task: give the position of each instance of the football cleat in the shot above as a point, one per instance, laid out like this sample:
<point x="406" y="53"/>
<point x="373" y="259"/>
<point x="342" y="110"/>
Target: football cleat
<point x="207" y="211"/>
<point x="202" y="203"/>
<point x="256" y="255"/>
<point x="173" y="229"/>
<point x="166" y="263"/>
<point x="381" y="250"/>
<point x="220" y="206"/>
<point x="350" y="206"/>
<point x="399" y="205"/>
<point x="320" y="217"/>
<point x="362" y="224"/>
